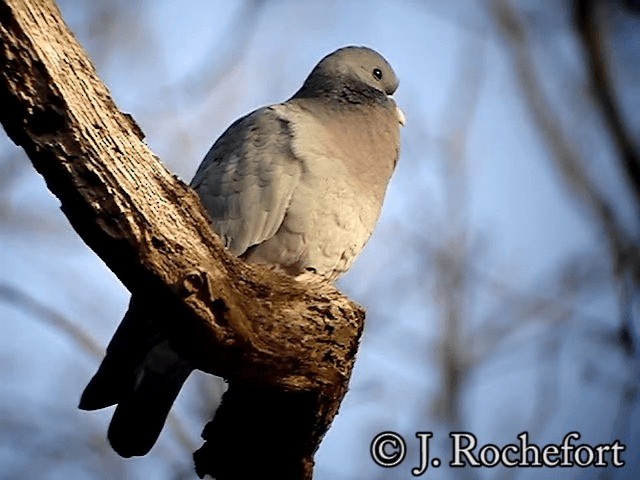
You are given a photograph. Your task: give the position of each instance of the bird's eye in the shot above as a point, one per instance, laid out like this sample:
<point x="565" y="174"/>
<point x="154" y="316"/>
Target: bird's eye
<point x="377" y="73"/>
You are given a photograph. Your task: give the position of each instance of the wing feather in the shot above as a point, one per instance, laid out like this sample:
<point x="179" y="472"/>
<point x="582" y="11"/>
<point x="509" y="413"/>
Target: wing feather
<point x="248" y="177"/>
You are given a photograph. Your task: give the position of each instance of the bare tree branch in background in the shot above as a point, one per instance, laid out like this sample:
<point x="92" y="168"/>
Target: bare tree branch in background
<point x="588" y="14"/>
<point x="42" y="313"/>
<point x="625" y="253"/>
<point x="234" y="42"/>
<point x="112" y="23"/>
<point x="25" y="302"/>
<point x="453" y="257"/>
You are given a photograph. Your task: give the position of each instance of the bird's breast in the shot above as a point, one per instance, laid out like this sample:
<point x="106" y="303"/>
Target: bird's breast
<point x="336" y="203"/>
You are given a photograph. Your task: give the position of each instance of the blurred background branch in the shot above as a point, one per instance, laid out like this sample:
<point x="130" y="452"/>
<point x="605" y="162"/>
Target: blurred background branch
<point x="590" y="22"/>
<point x="32" y="307"/>
<point x="623" y="248"/>
<point x="455" y="256"/>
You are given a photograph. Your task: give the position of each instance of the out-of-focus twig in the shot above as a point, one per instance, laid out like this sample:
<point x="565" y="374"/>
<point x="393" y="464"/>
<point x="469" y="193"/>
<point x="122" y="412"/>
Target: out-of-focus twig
<point x="625" y="254"/>
<point x="43" y="313"/>
<point x="453" y="257"/>
<point x="592" y="36"/>
<point x="214" y="67"/>
<point x="567" y="159"/>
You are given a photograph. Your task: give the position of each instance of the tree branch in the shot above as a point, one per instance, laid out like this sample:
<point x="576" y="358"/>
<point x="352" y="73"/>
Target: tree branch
<point x="624" y="250"/>
<point x="585" y="14"/>
<point x="41" y="312"/>
<point x="263" y="331"/>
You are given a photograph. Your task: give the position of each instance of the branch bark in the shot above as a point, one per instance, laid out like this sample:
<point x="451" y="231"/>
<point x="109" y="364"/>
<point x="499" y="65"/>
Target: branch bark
<point x="289" y="343"/>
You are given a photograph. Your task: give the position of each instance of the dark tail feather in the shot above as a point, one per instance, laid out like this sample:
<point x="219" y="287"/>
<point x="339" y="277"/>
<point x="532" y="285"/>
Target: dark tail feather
<point x="140" y="416"/>
<point x="135" y="337"/>
<point x="106" y="387"/>
<point x="141" y="374"/>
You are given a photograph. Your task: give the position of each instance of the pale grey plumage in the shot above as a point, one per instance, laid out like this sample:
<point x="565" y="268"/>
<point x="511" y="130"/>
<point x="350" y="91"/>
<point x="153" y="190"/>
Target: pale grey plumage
<point x="247" y="179"/>
<point x="298" y="185"/>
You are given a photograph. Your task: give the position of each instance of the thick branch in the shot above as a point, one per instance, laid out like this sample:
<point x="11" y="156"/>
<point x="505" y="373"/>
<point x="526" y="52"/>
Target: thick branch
<point x="252" y="325"/>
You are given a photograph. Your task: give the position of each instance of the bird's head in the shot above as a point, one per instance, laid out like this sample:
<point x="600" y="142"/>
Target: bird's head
<point x="353" y="75"/>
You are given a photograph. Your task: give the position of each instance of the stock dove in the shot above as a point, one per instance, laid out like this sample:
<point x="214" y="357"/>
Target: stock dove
<point x="298" y="185"/>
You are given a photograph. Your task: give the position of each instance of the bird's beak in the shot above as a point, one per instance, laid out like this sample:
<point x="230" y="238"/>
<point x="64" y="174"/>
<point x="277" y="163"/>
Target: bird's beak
<point x="401" y="118"/>
<point x="399" y="113"/>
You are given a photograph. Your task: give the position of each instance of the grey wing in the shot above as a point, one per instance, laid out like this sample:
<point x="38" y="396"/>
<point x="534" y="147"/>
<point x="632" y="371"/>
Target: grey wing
<point x="247" y="179"/>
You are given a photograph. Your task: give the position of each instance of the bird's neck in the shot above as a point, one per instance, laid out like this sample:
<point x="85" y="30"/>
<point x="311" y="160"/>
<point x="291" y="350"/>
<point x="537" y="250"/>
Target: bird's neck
<point x="340" y="91"/>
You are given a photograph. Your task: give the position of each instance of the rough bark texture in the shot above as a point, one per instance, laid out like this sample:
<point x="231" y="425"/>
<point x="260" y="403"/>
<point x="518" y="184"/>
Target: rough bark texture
<point x="286" y="347"/>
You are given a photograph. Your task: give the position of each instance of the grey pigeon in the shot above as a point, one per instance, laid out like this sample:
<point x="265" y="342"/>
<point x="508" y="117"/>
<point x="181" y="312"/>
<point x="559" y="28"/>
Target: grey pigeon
<point x="298" y="185"/>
